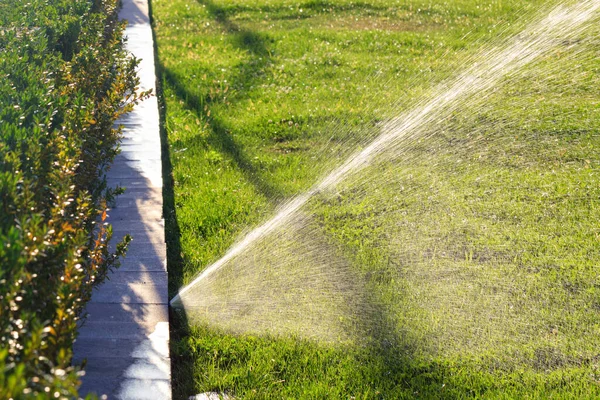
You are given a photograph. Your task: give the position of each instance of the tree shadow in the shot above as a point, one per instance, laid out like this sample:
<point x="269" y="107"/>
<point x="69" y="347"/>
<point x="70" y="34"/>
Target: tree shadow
<point x="182" y="365"/>
<point x="126" y="325"/>
<point x="390" y="352"/>
<point x="247" y="74"/>
<point x="285" y="12"/>
<point x="220" y="136"/>
<point x="127" y="320"/>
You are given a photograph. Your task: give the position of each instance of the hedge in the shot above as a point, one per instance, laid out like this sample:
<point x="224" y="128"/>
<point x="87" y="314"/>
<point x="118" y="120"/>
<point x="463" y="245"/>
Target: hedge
<point x="64" y="80"/>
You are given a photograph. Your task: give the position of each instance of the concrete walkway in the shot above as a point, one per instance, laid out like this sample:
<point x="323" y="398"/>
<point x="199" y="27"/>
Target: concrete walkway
<point x="125" y="338"/>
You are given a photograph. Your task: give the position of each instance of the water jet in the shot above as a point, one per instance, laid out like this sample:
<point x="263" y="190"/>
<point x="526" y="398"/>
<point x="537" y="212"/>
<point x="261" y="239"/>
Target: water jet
<point x="494" y="63"/>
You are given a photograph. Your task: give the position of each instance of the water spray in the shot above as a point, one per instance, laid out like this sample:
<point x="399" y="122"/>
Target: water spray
<point x="560" y="24"/>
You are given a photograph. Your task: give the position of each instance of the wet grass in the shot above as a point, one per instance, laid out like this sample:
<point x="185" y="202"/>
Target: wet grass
<point x="262" y="367"/>
<point x="479" y="246"/>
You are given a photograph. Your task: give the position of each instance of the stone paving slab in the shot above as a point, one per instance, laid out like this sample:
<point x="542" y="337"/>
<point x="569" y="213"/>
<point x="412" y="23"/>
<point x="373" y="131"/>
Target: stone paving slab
<point x="146" y="316"/>
<point x="112" y="330"/>
<point x="132" y="153"/>
<point x="132" y="202"/>
<point x="140" y="369"/>
<point x="139" y="147"/>
<point x="141" y="389"/>
<point x="152" y="263"/>
<point x="133" y="322"/>
<point x="128" y="183"/>
<point x="142" y="379"/>
<point x="113" y="348"/>
<point x="141" y="193"/>
<point x="142" y="149"/>
<point x="125" y="338"/>
<point x="139" y="247"/>
<point x="140" y="165"/>
<point x="154" y="368"/>
<point x="135" y="389"/>
<point x="140" y="134"/>
<point x="133" y="171"/>
<point x="141" y="233"/>
<point x="131" y="158"/>
<point x="149" y="214"/>
<point x="135" y="168"/>
<point x="136" y="278"/>
<point x="140" y="140"/>
<point x="132" y="293"/>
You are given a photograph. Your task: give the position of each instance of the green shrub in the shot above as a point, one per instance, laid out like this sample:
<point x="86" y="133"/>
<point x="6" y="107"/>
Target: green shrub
<point x="64" y="80"/>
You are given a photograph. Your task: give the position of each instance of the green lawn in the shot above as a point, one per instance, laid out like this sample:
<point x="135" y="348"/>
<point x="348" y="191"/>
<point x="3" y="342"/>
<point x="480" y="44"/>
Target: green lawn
<point x="460" y="264"/>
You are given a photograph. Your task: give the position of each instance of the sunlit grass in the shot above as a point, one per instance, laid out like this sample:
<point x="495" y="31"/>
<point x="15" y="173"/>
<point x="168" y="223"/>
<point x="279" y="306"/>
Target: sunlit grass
<point x="475" y="250"/>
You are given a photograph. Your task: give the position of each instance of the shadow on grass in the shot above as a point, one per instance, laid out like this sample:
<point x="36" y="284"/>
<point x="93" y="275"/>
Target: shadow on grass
<point x="182" y="365"/>
<point x="384" y="365"/>
<point x="181" y="369"/>
<point x="220" y="137"/>
<point x="297" y="11"/>
<point x="259" y="366"/>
